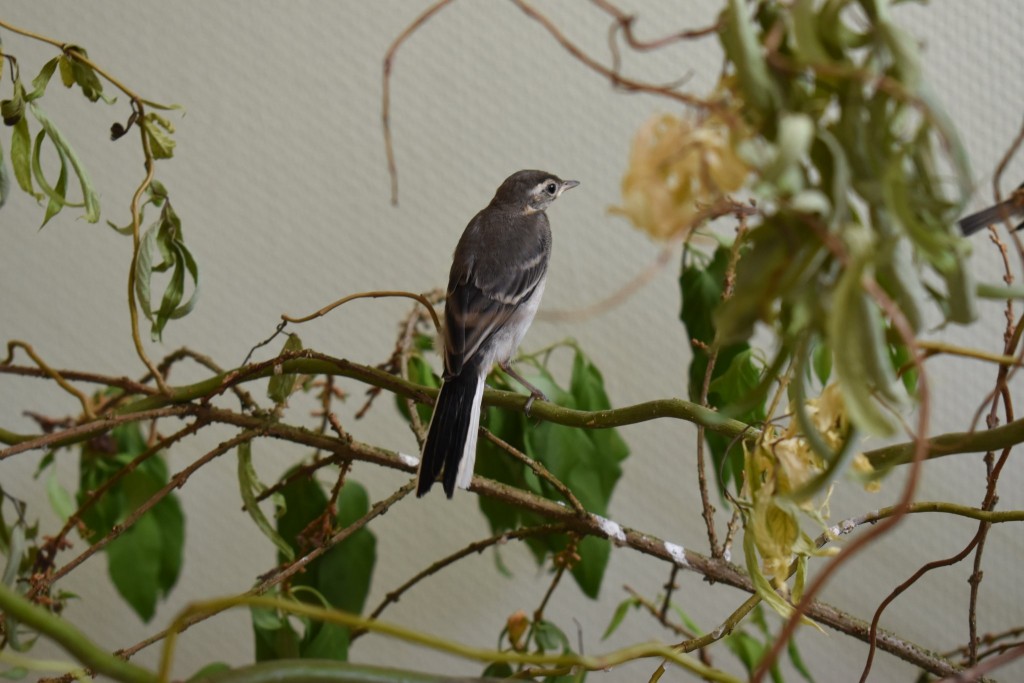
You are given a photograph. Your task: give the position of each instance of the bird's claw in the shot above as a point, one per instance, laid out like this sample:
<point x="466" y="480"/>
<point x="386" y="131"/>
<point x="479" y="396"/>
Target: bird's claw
<point x="534" y="395"/>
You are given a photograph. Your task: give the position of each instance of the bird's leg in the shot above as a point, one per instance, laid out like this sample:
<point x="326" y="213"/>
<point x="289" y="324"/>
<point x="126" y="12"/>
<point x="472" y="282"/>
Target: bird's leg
<point x="535" y="393"/>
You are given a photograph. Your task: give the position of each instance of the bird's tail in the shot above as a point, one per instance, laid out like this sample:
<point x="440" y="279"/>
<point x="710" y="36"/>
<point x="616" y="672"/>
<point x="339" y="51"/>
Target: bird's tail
<point x="450" y="445"/>
<point x="1012" y="207"/>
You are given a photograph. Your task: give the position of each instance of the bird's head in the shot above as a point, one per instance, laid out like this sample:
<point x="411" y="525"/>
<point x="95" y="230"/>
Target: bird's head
<point x="531" y="191"/>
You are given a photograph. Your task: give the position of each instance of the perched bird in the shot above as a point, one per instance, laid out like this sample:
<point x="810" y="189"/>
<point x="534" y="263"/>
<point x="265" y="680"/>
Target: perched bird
<point x="1012" y="208"/>
<point x="495" y="286"/>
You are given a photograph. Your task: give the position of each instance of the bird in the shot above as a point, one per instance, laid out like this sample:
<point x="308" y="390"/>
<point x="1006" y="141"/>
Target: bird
<point x="496" y="282"/>
<point x="1011" y="208"/>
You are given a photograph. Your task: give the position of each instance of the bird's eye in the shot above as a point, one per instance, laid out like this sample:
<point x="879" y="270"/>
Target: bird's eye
<point x="551" y="188"/>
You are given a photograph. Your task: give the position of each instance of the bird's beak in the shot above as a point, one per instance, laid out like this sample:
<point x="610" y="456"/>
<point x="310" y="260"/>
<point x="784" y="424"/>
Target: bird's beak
<point x="568" y="185"/>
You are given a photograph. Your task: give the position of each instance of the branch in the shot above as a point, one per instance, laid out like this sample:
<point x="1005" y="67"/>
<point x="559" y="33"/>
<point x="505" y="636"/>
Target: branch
<point x="310" y="363"/>
<point x="16" y="607"/>
<point x="476" y="547"/>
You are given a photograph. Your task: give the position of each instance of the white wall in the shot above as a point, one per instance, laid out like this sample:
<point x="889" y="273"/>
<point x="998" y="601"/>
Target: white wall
<point x="280" y="180"/>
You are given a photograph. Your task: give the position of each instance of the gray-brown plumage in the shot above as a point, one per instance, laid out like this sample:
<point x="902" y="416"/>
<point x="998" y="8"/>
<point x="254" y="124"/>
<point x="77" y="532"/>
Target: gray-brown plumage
<point x="1012" y="209"/>
<point x="496" y="282"/>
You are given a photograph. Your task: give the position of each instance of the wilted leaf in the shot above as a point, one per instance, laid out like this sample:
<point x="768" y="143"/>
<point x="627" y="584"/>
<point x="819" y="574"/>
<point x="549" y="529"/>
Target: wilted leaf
<point x="159" y="130"/>
<point x="250" y="487"/>
<point x="13" y="110"/>
<point x="21" y="156"/>
<point x="90" y="198"/>
<point x="5" y="178"/>
<point x="40" y="82"/>
<point x="165" y="236"/>
<point x="743" y="49"/>
<point x="281" y="383"/>
<point x="86" y="77"/>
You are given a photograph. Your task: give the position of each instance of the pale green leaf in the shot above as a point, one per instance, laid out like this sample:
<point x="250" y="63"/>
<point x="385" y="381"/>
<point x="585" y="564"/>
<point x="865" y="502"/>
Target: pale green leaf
<point x="90" y="198"/>
<point x="250" y="487"/>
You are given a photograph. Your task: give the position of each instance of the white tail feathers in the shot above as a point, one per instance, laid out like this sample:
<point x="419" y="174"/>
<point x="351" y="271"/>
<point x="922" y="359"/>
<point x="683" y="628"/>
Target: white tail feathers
<point x="468" y="459"/>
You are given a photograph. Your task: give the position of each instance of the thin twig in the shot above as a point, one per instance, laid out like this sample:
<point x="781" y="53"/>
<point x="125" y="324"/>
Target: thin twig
<point x="655" y="612"/>
<point x="625" y="22"/>
<point x="993" y="469"/>
<point x="476" y="547"/>
<point x="422" y="298"/>
<point x="538" y="469"/>
<point x="136" y="211"/>
<point x="615" y="78"/>
<point x="87" y="430"/>
<point x="51" y="373"/>
<point x="385" y="106"/>
<point x="976" y="672"/>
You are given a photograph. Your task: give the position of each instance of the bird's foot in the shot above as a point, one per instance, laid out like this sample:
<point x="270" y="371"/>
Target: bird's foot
<point x="535" y="393"/>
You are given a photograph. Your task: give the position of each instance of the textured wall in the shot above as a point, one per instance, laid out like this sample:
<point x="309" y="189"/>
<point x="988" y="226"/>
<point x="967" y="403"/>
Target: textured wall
<point x="281" y="183"/>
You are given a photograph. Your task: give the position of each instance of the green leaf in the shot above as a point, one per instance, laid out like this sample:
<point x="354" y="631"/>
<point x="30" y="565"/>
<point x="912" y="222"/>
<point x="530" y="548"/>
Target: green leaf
<point x="281" y="383"/>
<point x="861" y="355"/>
<point x="40" y="82"/>
<point x="419" y="372"/>
<point x="821" y="362"/>
<point x="21" y="157"/>
<point x="144" y="562"/>
<point x="549" y="637"/>
<point x="325" y="641"/>
<point x="5" y="179"/>
<point x="275" y="638"/>
<point x="90" y="198"/>
<point x="207" y="671"/>
<point x="498" y="670"/>
<point x="67" y="74"/>
<point x="134" y="565"/>
<point x="744" y="50"/>
<point x="16" y="545"/>
<point x="60" y="500"/>
<point x="494" y="463"/>
<point x="701" y="288"/>
<point x="746" y="648"/>
<point x="587" y="461"/>
<point x="346" y="571"/>
<point x="250" y="487"/>
<point x="58" y="200"/>
<point x="341" y="577"/>
<point x="594" y="553"/>
<point x="798" y="661"/>
<point x="619" y="615"/>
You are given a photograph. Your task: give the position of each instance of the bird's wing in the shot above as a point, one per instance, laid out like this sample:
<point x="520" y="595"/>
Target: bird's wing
<point x="494" y="273"/>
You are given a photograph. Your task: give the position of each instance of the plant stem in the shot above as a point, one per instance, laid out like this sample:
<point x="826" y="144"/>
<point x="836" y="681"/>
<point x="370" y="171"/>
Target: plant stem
<point x="16" y="607"/>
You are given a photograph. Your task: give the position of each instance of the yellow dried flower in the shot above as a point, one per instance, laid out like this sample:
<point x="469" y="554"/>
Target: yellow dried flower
<point x="517" y="624"/>
<point x="677" y="167"/>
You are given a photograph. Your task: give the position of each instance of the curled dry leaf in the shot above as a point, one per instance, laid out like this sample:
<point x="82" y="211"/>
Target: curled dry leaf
<point x="677" y="166"/>
<point x="783" y="466"/>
